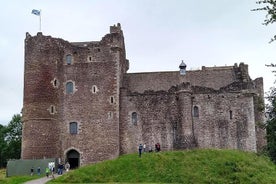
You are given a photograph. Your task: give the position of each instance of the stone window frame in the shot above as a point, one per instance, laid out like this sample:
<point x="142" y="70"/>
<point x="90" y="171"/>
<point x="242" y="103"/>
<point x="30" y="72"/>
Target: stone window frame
<point x="134" y="118"/>
<point x="94" y="89"/>
<point x="112" y="100"/>
<point x="231" y="114"/>
<point x="195" y="111"/>
<point x="67" y="59"/>
<point x="52" y="109"/>
<point x="74" y="87"/>
<point x="110" y="115"/>
<point x="55" y="83"/>
<point x="89" y="58"/>
<point x="73" y="128"/>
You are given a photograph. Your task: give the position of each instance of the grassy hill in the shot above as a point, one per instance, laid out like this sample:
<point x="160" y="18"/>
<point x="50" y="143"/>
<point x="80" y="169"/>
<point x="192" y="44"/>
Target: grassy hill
<point x="15" y="179"/>
<point x="193" y="166"/>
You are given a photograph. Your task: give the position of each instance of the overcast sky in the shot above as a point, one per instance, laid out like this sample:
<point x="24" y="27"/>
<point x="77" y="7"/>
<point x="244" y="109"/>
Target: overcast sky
<point x="158" y="35"/>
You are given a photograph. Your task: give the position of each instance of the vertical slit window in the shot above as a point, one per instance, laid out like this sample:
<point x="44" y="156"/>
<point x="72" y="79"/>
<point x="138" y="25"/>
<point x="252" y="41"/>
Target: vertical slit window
<point x="196" y="111"/>
<point x="231" y="114"/>
<point x="52" y="109"/>
<point x="94" y="89"/>
<point x="55" y="82"/>
<point x="134" y="118"/>
<point x="174" y="131"/>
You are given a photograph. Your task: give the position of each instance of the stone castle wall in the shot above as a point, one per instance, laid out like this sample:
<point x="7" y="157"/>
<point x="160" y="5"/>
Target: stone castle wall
<point x="94" y="103"/>
<point x="115" y="111"/>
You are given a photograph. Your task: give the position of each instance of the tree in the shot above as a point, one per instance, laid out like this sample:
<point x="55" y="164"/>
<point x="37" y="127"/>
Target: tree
<point x="13" y="137"/>
<point x="3" y="146"/>
<point x="10" y="140"/>
<point x="270" y="7"/>
<point x="271" y="124"/>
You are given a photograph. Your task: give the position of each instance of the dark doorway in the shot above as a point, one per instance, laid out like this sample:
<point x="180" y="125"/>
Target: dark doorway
<point x="73" y="158"/>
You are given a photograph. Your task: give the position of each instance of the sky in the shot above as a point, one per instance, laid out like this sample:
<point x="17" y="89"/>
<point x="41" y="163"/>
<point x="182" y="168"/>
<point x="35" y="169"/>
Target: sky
<point x="158" y="35"/>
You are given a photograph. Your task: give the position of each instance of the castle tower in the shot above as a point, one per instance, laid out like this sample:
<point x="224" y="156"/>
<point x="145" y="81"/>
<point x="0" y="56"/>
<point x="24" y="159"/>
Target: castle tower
<point x="41" y="99"/>
<point x="71" y="98"/>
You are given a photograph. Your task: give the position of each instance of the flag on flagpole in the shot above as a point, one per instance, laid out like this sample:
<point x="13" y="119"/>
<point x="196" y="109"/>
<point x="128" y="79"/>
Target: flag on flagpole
<point x="36" y="12"/>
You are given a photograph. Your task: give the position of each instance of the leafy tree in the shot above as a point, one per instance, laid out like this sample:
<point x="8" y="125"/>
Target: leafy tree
<point x="3" y="146"/>
<point x="271" y="124"/>
<point x="269" y="6"/>
<point x="10" y="140"/>
<point x="13" y="137"/>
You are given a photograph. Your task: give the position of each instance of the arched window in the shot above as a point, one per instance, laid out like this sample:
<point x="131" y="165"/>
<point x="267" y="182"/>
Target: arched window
<point x="196" y="111"/>
<point x="69" y="59"/>
<point x="134" y="118"/>
<point x="69" y="87"/>
<point x="73" y="128"/>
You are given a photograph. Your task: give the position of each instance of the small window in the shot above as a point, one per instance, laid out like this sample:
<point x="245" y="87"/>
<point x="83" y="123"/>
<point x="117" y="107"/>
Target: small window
<point x="55" y="82"/>
<point x="94" y="89"/>
<point x="134" y="118"/>
<point x="69" y="59"/>
<point x="112" y="99"/>
<point x="73" y="128"/>
<point x="231" y="114"/>
<point x="110" y="115"/>
<point x="174" y="131"/>
<point x="52" y="109"/>
<point x="69" y="87"/>
<point x="196" y="111"/>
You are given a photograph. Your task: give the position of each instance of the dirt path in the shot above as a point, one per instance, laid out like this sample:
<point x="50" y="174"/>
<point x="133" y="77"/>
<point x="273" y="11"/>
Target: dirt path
<point x="41" y="180"/>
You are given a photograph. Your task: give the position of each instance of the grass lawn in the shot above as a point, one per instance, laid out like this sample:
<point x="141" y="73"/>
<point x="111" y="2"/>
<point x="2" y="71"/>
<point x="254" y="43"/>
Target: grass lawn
<point x="191" y="166"/>
<point x="15" y="179"/>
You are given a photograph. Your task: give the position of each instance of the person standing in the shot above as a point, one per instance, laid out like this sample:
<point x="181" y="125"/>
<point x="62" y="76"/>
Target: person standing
<point x="38" y="171"/>
<point x="47" y="171"/>
<point x="53" y="172"/>
<point x="67" y="166"/>
<point x="144" y="146"/>
<point x="140" y="149"/>
<point x="32" y="171"/>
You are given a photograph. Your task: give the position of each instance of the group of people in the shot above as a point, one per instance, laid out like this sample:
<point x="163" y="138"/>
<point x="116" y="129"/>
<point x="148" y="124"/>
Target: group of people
<point x="38" y="171"/>
<point x="143" y="148"/>
<point x="50" y="170"/>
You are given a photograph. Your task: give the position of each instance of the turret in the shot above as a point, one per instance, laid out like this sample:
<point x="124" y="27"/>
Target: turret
<point x="182" y="68"/>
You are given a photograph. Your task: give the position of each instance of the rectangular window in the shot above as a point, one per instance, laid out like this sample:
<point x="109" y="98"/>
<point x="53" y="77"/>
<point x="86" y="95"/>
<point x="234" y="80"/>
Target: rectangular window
<point x="69" y="59"/>
<point x="73" y="128"/>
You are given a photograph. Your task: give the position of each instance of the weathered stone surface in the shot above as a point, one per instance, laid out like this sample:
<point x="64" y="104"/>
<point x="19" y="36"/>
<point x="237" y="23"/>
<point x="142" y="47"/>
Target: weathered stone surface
<point x="105" y="98"/>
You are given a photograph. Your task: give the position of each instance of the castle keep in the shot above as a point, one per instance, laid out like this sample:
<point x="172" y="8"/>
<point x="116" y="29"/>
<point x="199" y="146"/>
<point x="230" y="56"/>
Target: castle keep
<point x="81" y="105"/>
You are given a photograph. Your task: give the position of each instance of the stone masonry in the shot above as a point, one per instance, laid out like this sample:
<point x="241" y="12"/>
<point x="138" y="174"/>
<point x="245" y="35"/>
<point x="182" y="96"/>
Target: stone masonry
<point x="81" y="105"/>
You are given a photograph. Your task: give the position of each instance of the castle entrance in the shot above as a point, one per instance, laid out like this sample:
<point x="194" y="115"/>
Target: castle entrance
<point x="73" y="157"/>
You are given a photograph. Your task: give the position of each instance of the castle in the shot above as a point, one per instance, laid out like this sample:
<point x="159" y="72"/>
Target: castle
<point x="81" y="105"/>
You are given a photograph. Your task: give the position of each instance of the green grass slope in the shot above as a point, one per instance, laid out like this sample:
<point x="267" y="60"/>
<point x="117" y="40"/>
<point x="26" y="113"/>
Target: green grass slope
<point x="15" y="179"/>
<point x="192" y="166"/>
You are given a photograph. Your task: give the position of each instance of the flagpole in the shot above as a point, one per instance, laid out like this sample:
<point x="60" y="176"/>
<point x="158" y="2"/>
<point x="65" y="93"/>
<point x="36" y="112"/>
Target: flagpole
<point x="40" y="21"/>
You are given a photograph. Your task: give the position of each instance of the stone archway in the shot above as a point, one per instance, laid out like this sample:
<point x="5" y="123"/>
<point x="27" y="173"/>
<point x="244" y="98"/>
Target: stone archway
<point x="73" y="157"/>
